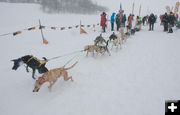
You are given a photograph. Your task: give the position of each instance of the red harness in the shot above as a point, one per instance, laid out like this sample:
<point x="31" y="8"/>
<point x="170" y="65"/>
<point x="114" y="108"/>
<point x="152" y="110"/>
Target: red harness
<point x="41" y="80"/>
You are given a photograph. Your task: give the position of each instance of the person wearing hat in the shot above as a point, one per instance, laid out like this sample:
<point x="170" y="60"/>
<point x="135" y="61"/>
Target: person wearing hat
<point x="103" y="21"/>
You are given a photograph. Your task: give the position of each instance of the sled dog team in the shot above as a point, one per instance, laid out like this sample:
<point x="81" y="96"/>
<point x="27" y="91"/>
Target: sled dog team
<point x="100" y="46"/>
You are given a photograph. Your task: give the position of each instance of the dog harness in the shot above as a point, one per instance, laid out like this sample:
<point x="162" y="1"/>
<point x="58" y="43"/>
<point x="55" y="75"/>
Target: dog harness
<point x="41" y="80"/>
<point x="40" y="61"/>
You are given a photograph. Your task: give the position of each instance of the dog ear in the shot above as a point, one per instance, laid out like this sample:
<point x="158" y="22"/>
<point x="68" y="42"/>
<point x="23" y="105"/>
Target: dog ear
<point x="44" y="58"/>
<point x="13" y="60"/>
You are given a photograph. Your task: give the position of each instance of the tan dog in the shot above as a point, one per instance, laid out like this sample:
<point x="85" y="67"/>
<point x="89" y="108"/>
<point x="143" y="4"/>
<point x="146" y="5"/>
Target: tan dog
<point x="97" y="49"/>
<point x="122" y="35"/>
<point x="120" y="39"/>
<point x="51" y="76"/>
<point x="90" y="48"/>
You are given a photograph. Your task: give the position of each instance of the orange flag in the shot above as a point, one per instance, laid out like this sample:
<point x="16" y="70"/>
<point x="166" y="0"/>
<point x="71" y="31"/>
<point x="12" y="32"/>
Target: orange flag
<point x="82" y="31"/>
<point x="45" y="41"/>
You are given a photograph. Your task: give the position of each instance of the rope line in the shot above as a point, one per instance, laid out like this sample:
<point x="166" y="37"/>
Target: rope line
<point x="6" y="34"/>
<point x="51" y="27"/>
<point x="63" y="66"/>
<point x="70" y="60"/>
<point x="53" y="58"/>
<point x="11" y="33"/>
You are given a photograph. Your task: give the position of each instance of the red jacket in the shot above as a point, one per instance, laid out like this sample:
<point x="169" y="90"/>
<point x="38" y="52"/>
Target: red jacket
<point x="103" y="20"/>
<point x="130" y="19"/>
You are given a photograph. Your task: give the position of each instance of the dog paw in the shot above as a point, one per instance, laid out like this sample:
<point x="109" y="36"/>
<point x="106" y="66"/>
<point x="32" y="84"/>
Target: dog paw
<point x="72" y="79"/>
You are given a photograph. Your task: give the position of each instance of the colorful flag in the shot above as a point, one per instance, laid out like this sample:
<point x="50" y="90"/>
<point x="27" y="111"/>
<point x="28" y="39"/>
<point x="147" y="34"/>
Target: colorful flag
<point x="82" y="31"/>
<point x="16" y="33"/>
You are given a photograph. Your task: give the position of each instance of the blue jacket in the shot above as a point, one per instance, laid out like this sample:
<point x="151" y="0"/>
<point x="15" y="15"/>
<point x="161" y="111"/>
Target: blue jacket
<point x="113" y="17"/>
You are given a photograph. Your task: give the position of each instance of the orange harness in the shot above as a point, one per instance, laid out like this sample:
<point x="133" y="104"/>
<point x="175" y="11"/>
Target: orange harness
<point x="41" y="80"/>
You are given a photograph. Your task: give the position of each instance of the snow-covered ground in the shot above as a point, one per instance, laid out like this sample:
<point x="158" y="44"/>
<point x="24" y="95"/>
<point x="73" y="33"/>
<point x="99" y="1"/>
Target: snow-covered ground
<point x="135" y="80"/>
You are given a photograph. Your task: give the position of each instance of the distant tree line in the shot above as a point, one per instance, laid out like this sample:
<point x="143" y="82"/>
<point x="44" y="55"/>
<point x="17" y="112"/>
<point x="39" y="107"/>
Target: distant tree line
<point x="65" y="6"/>
<point x="71" y="6"/>
<point x="20" y="1"/>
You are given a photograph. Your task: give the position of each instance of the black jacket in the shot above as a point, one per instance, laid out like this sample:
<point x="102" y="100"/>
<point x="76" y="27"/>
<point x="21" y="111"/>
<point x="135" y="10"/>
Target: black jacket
<point x="152" y="19"/>
<point x="171" y="19"/>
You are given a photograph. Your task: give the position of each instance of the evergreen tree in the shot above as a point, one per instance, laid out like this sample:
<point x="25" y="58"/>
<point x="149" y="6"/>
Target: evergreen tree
<point x="70" y="6"/>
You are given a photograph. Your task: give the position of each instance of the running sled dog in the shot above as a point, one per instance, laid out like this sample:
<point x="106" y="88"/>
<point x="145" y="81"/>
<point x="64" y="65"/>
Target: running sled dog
<point x="51" y="76"/>
<point x="32" y="62"/>
<point x="99" y="49"/>
<point x="90" y="49"/>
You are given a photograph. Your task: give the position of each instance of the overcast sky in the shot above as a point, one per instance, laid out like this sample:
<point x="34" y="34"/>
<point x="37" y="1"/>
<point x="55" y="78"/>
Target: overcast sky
<point x="148" y="6"/>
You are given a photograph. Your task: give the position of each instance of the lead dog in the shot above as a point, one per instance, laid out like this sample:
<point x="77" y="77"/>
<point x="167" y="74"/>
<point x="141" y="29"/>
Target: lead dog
<point x="51" y="76"/>
<point x="31" y="62"/>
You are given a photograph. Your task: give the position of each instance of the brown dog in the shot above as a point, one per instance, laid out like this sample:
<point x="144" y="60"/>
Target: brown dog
<point x="51" y="76"/>
<point x="90" y="48"/>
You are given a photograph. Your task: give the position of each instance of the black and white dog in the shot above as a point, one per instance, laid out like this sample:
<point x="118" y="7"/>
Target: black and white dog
<point x="103" y="49"/>
<point x="31" y="62"/>
<point x="133" y="31"/>
<point x="113" y="36"/>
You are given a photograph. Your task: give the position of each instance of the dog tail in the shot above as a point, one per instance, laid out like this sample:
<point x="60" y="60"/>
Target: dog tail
<point x="71" y="66"/>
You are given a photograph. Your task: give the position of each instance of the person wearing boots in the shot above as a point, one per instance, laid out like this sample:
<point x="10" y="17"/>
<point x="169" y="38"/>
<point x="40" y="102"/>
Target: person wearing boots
<point x="103" y="21"/>
<point x="151" y="21"/>
<point x="165" y="22"/>
<point x="171" y="20"/>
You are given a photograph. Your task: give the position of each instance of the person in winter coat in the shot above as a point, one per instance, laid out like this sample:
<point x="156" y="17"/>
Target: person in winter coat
<point x="161" y="19"/>
<point x="121" y="18"/>
<point x="103" y="21"/>
<point x="144" y="20"/>
<point x="117" y="22"/>
<point x="171" y="20"/>
<point x="112" y="21"/>
<point x="138" y="23"/>
<point x="130" y="19"/>
<point x="165" y="22"/>
<point x="124" y="20"/>
<point x="151" y="20"/>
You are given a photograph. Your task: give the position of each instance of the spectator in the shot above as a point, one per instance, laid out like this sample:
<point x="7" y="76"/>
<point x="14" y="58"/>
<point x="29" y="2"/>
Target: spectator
<point x="144" y="20"/>
<point x="103" y="21"/>
<point x="151" y="20"/>
<point x="112" y="21"/>
<point x="124" y="20"/>
<point x="171" y="20"/>
<point x="138" y="23"/>
<point x="117" y="22"/>
<point x="165" y="22"/>
<point x="130" y="19"/>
